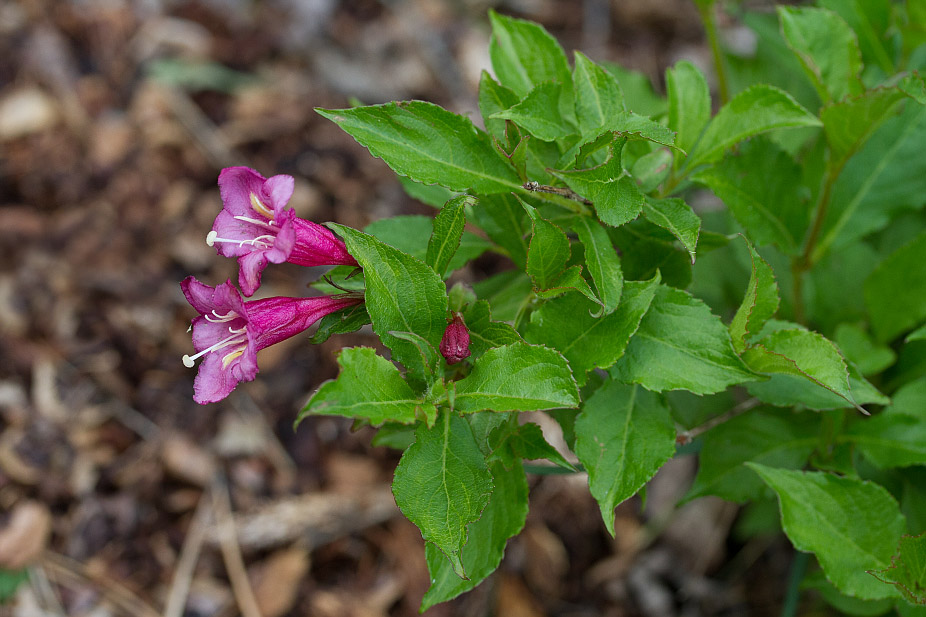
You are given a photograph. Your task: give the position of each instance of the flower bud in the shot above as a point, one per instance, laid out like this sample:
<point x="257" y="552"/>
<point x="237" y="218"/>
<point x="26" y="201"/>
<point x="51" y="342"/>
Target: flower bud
<point x="455" y="344"/>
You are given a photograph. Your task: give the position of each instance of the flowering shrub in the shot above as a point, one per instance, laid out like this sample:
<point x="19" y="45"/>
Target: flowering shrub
<point x="780" y="337"/>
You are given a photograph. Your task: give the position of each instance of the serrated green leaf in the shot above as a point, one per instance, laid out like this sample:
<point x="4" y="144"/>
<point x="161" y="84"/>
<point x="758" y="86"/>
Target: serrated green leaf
<point x="761" y="186"/>
<point x="802" y="353"/>
<point x="504" y="221"/>
<point x="538" y="113"/>
<point x="784" y="390"/>
<point x="624" y="434"/>
<point x="403" y="294"/>
<point x="647" y="249"/>
<point x="484" y="334"/>
<point x="907" y="571"/>
<point x="772" y="437"/>
<point x="676" y="217"/>
<point x="651" y="170"/>
<point x="759" y="304"/>
<point x="368" y="387"/>
<point x="570" y="279"/>
<point x="886" y="177"/>
<point x="849" y="123"/>
<point x="505" y="292"/>
<point x="588" y="342"/>
<point x="394" y="435"/>
<point x="410" y="234"/>
<point x="442" y="485"/>
<point x="493" y="98"/>
<point x="890" y="440"/>
<point x="598" y="96"/>
<point x="827" y="49"/>
<point x="524" y="55"/>
<point x="756" y="110"/>
<point x="517" y="377"/>
<point x="528" y="443"/>
<point x="503" y="518"/>
<point x="895" y="292"/>
<point x="869" y="357"/>
<point x="681" y="345"/>
<point x="426" y="364"/>
<point x="344" y="321"/>
<point x="634" y="126"/>
<point x="428" y="144"/>
<point x="615" y="195"/>
<point x="430" y="194"/>
<point x="689" y="103"/>
<point x="852" y="526"/>
<point x="871" y="21"/>
<point x="602" y="261"/>
<point x="448" y="231"/>
<point x="548" y="251"/>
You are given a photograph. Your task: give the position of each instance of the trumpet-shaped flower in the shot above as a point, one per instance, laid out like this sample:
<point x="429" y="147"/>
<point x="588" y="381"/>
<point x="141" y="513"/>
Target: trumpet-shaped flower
<point x="255" y="226"/>
<point x="229" y="331"/>
<point x="454" y="345"/>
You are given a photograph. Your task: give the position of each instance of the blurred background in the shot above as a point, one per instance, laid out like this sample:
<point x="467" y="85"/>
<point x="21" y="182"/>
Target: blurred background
<point x="123" y="496"/>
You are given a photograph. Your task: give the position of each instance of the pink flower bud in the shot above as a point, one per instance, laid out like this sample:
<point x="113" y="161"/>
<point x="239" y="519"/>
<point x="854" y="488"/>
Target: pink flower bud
<point x="455" y="344"/>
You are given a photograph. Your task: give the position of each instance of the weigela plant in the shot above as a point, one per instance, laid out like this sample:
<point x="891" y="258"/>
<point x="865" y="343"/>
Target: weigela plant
<point x="775" y="329"/>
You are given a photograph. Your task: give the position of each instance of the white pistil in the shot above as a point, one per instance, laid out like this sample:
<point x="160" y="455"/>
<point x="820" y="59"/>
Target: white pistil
<point x="237" y="336"/>
<point x="260" y="242"/>
<point x="259" y="206"/>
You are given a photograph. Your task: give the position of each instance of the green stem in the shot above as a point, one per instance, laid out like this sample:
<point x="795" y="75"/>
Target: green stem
<point x="708" y="16"/>
<point x="793" y="592"/>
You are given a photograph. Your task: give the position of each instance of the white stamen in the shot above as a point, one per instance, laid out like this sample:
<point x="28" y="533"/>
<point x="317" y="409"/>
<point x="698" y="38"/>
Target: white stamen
<point x="258" y="205"/>
<point x="260" y="242"/>
<point x="271" y="224"/>
<point x="229" y="316"/>
<point x="236" y="337"/>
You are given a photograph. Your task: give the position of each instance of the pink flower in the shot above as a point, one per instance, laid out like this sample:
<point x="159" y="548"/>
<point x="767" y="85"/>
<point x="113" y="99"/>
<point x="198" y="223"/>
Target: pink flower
<point x="454" y="345"/>
<point x="229" y="331"/>
<point x="255" y="227"/>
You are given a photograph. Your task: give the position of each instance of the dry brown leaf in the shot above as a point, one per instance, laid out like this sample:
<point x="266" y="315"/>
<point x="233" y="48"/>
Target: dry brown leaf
<point x="24" y="537"/>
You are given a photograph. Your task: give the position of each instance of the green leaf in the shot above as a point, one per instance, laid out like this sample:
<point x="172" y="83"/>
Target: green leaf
<point x="428" y="144"/>
<point x="846" y="605"/>
<point x="598" y="96"/>
<point x="442" y="484"/>
<point x="890" y="440"/>
<point x="802" y="353"/>
<point x="570" y="279"/>
<point x="637" y="127"/>
<point x="827" y="49"/>
<point x="852" y="526"/>
<point x="548" y="251"/>
<point x="689" y="103"/>
<point x="448" y="230"/>
<point x="917" y="335"/>
<point x="886" y="177"/>
<point x="517" y="377"/>
<point x="755" y="110"/>
<point x="588" y="342"/>
<point x="602" y="261"/>
<point x="761" y="186"/>
<point x="538" y="113"/>
<point x="624" y="434"/>
<point x="484" y="334"/>
<point x="430" y="194"/>
<point x="869" y="357"/>
<point x="524" y="55"/>
<point x="871" y="21"/>
<point x="10" y="580"/>
<point x="503" y="220"/>
<point x="772" y="437"/>
<point x="647" y="249"/>
<point x="368" y="387"/>
<point x="616" y="197"/>
<point x="681" y="345"/>
<point x="410" y="234"/>
<point x="784" y="390"/>
<point x="850" y="123"/>
<point x="910" y="399"/>
<point x="505" y="292"/>
<point x="493" y="98"/>
<point x="503" y="518"/>
<point x="639" y="94"/>
<point x="907" y="571"/>
<point x="895" y="292"/>
<point x="759" y="304"/>
<point x="528" y="443"/>
<point x="403" y="294"/>
<point x="677" y="217"/>
<point x="651" y="170"/>
<point x="344" y="321"/>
